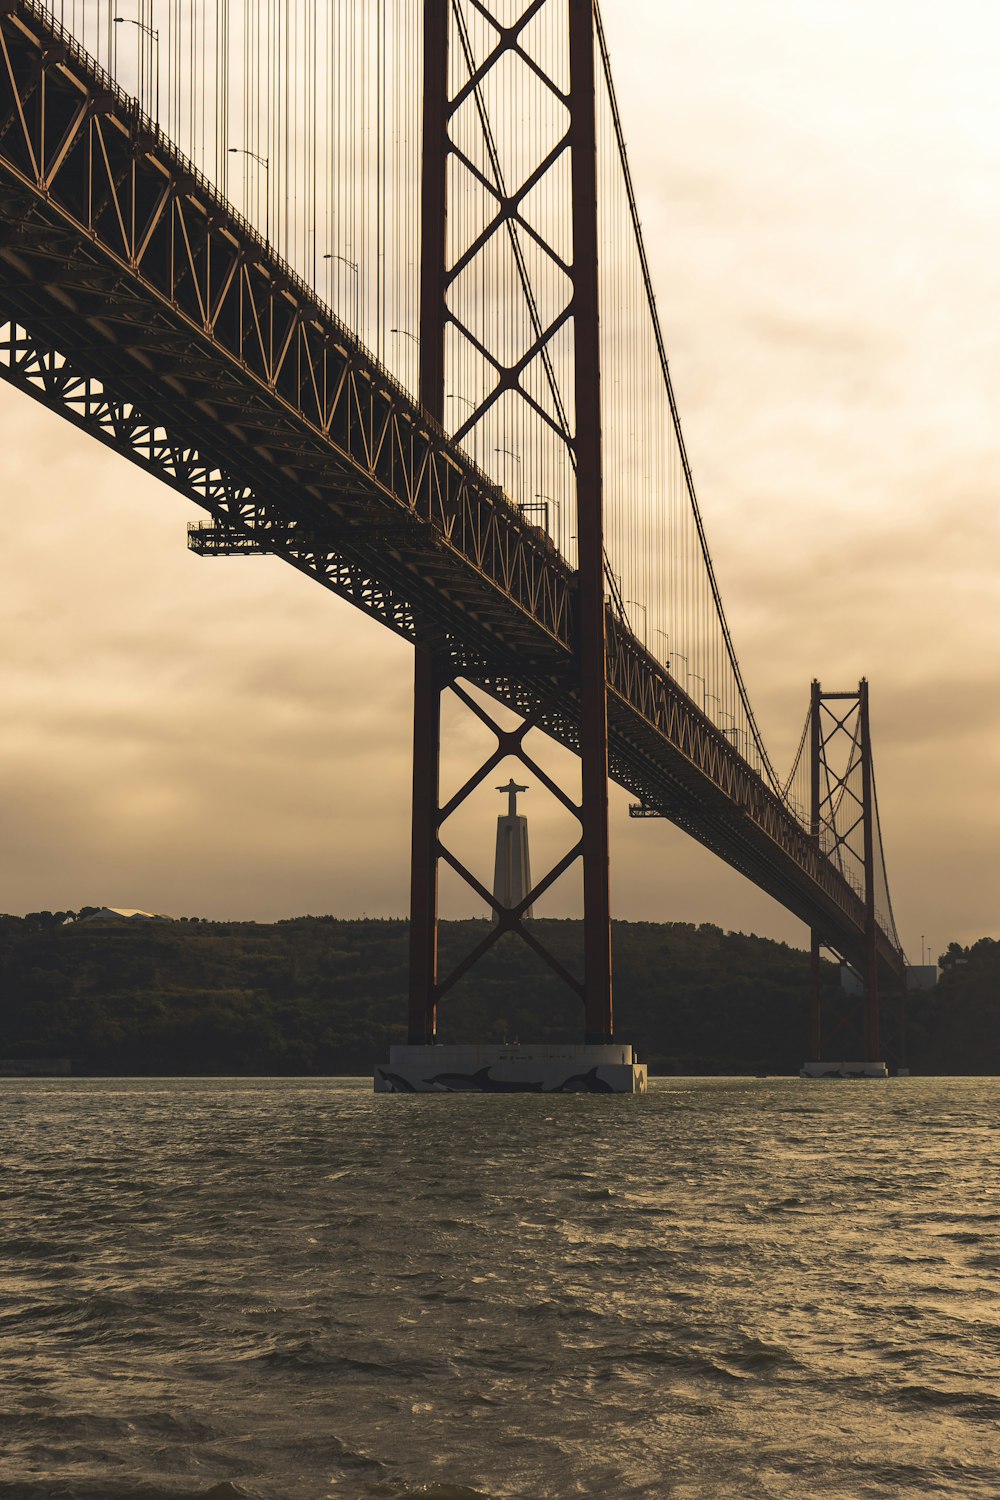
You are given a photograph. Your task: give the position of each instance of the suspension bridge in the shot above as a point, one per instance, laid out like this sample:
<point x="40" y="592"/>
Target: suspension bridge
<point x="366" y="281"/>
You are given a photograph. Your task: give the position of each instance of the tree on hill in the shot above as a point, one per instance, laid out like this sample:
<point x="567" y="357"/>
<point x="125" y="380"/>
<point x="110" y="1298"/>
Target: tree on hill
<point x="317" y="995"/>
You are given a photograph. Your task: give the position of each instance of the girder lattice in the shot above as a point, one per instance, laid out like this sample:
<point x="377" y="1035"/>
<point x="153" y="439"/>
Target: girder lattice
<point x="138" y="305"/>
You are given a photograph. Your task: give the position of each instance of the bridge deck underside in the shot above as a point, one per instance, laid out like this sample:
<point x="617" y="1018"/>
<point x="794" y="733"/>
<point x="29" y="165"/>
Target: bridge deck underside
<point x="141" y="308"/>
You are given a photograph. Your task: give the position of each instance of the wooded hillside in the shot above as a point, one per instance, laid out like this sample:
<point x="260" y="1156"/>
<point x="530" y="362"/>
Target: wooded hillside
<point x="316" y="995"/>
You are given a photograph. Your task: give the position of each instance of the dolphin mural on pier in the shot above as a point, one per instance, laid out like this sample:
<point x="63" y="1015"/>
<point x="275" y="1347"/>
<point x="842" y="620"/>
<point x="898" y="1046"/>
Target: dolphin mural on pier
<point x="396" y="1083"/>
<point x="583" y="1083"/>
<point x="481" y="1083"/>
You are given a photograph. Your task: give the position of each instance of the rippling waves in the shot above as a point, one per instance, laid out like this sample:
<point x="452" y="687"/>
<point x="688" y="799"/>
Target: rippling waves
<point x="298" y="1289"/>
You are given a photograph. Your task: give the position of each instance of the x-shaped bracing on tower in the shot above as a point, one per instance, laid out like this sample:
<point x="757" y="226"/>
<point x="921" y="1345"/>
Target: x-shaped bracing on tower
<point x="509" y="744"/>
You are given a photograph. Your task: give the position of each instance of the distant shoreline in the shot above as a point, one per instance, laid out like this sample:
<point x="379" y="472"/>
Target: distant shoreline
<point x="320" y="997"/>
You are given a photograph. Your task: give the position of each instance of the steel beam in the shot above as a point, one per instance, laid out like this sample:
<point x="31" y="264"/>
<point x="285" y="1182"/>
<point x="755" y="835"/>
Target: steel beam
<point x="240" y="390"/>
<point x="591" y="612"/>
<point x="427" y="674"/>
<point x="815" y="1002"/>
<point x="871" y="924"/>
<point x="427" y="685"/>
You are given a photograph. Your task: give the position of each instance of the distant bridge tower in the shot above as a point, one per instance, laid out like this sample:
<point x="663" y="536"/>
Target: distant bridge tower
<point x="512" y="868"/>
<point x="844" y="826"/>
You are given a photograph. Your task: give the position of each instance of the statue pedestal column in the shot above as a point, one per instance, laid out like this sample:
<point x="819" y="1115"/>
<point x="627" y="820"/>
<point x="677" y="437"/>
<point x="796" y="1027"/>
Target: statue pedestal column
<point x="512" y="869"/>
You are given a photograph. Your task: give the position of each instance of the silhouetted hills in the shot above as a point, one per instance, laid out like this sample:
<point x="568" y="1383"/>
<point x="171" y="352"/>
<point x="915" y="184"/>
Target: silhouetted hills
<point x="317" y="995"/>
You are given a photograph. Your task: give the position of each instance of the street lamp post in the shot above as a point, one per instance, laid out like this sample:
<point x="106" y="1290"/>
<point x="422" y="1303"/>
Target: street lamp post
<point x="639" y="605"/>
<point x="154" y="36"/>
<point x="520" y="473"/>
<point x="353" y="266"/>
<point x="406" y="334"/>
<point x="474" y="429"/>
<point x="541" y="504"/>
<point x="265" y="162"/>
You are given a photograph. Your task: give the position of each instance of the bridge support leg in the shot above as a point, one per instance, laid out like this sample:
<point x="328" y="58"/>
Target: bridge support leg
<point x="428" y="682"/>
<point x="422" y="1028"/>
<point x="815" y="1012"/>
<point x="815" y="742"/>
<point x="425" y="987"/>
<point x="872" y="1042"/>
<point x="592" y="644"/>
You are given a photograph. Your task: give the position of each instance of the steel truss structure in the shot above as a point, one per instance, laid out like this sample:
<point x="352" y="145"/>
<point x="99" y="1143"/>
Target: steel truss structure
<point x="137" y="304"/>
<point x="509" y="743"/>
<point x="843" y="824"/>
<point x="588" y="644"/>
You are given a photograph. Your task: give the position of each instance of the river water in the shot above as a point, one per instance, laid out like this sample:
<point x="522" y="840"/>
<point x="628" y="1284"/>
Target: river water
<point x="286" y="1289"/>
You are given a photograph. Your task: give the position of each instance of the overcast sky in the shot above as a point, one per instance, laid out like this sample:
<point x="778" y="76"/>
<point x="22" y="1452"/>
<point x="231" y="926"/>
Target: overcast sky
<point x="820" y="189"/>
